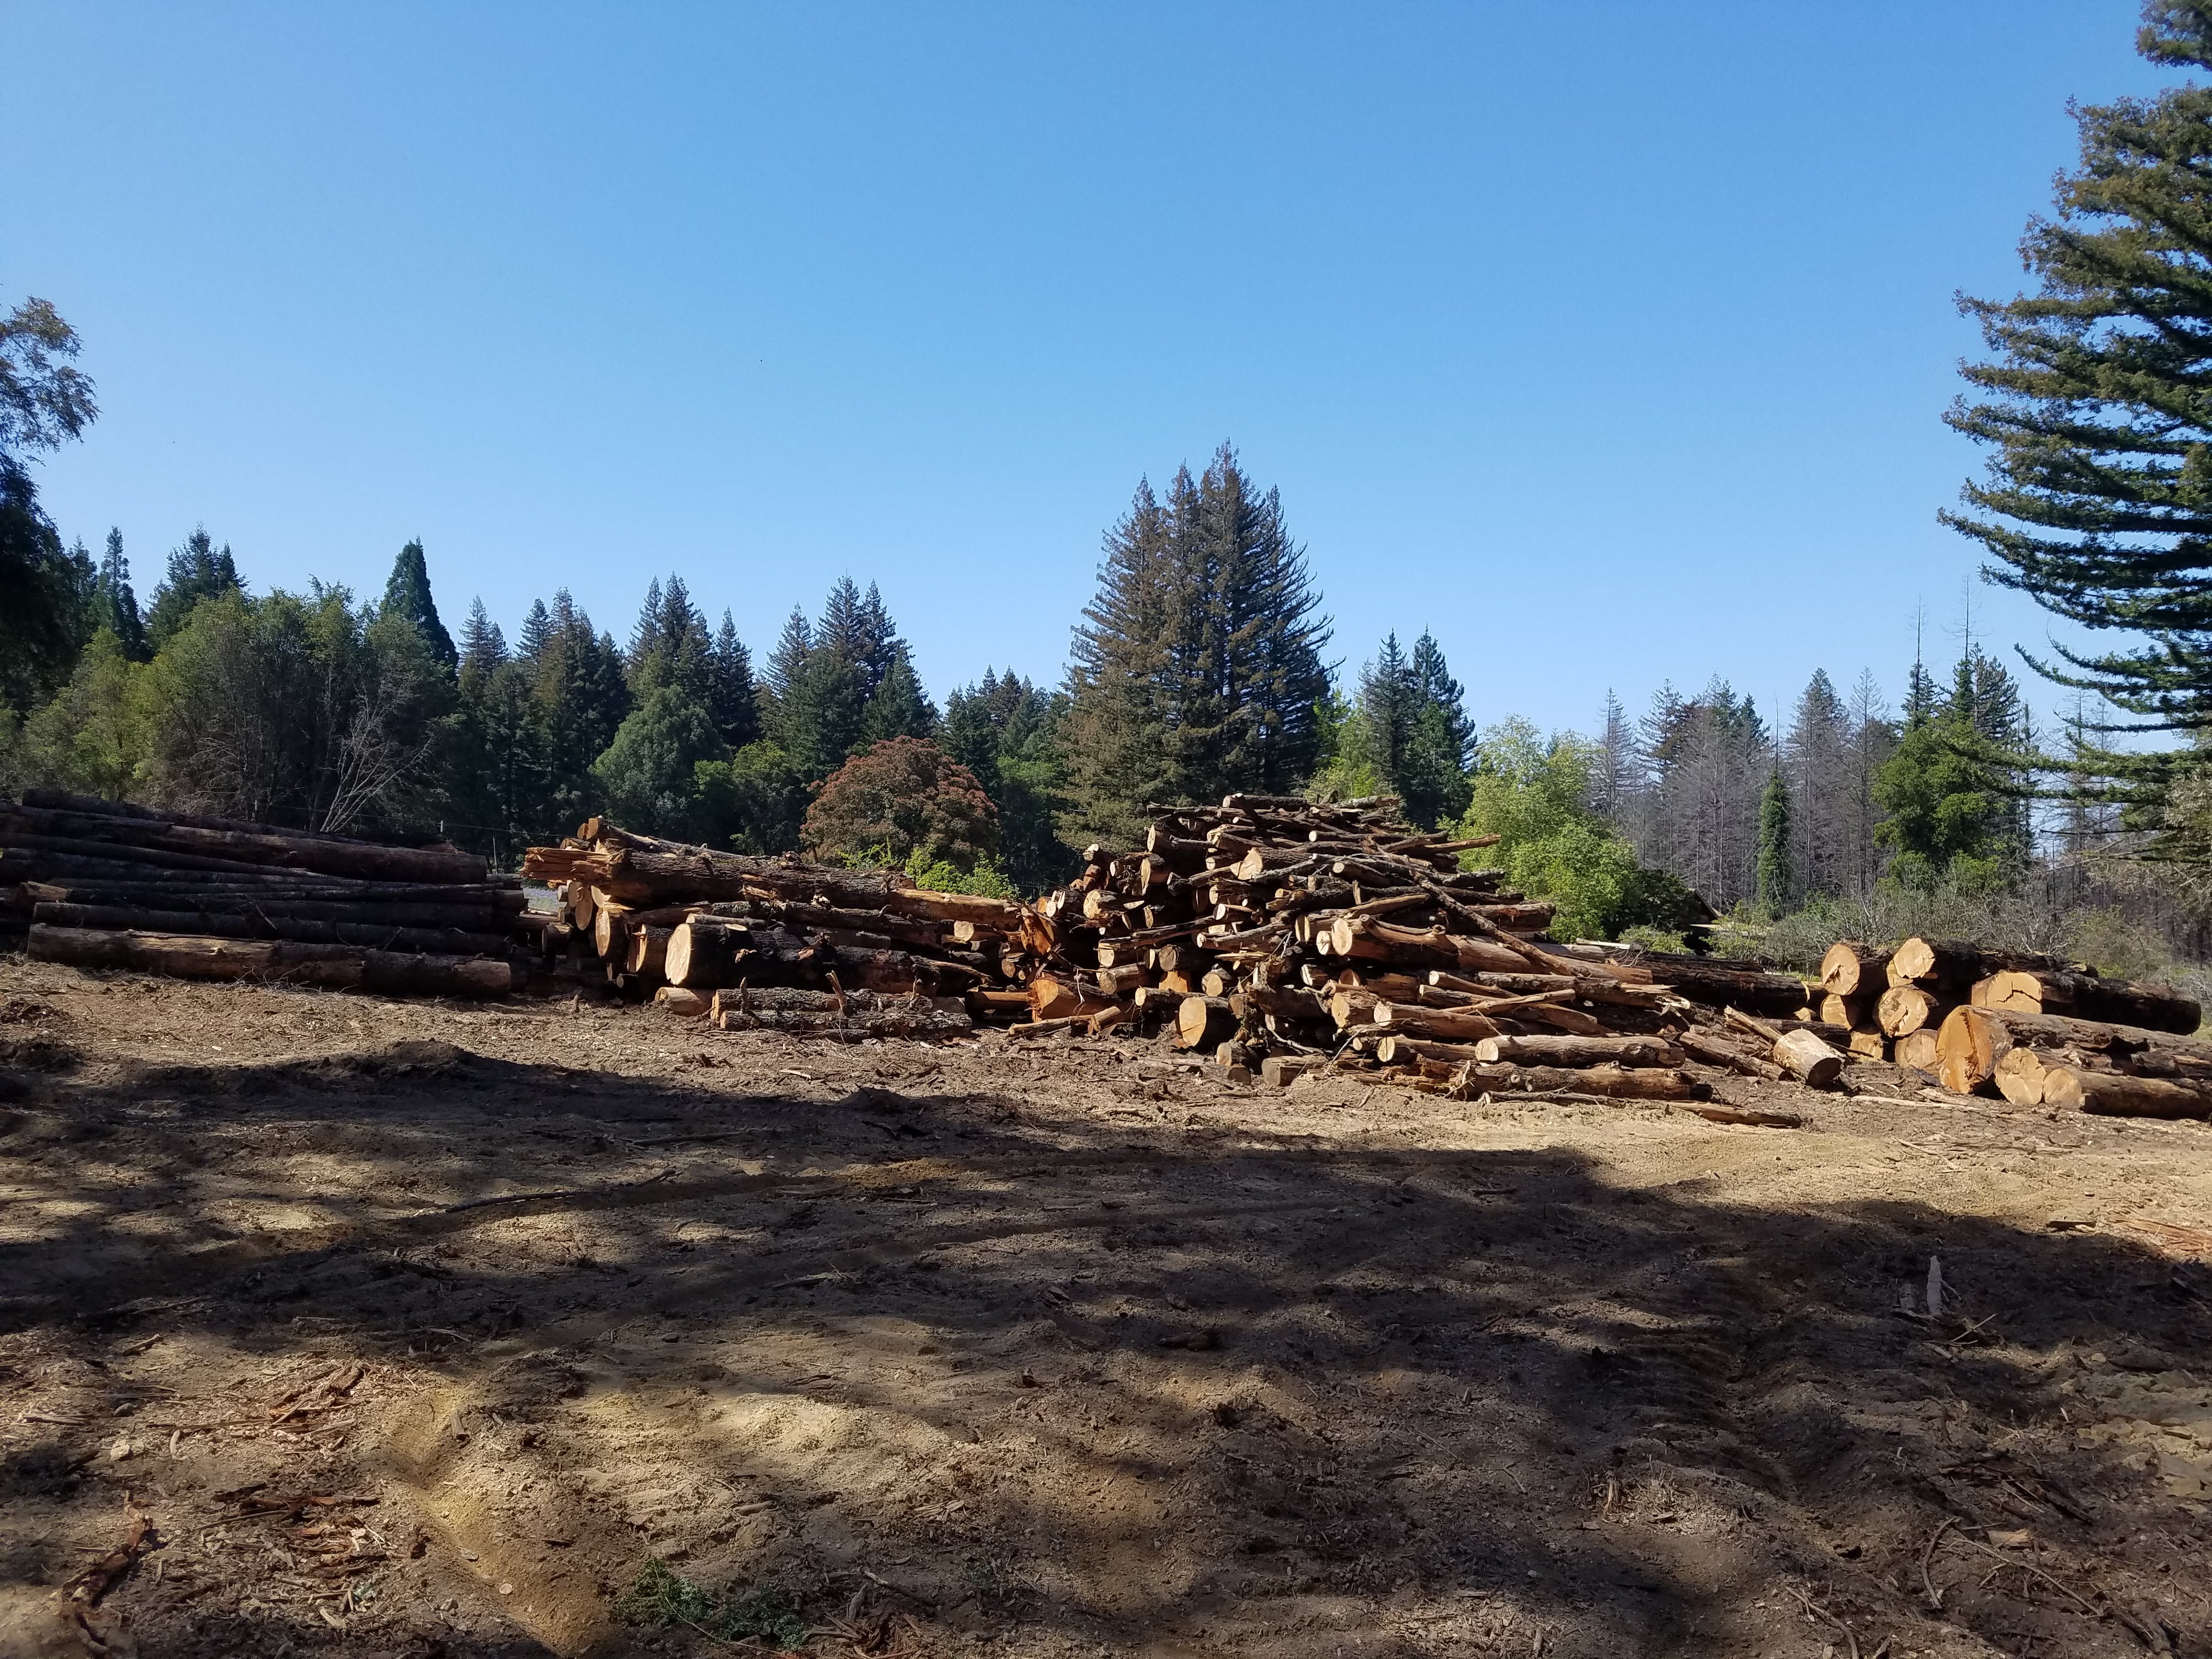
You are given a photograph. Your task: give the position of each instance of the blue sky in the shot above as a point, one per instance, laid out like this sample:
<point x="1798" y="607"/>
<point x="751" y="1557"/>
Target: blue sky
<point x="1609" y="342"/>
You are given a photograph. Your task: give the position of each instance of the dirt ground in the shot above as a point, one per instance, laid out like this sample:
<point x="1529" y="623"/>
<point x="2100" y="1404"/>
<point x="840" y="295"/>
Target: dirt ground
<point x="418" y="1329"/>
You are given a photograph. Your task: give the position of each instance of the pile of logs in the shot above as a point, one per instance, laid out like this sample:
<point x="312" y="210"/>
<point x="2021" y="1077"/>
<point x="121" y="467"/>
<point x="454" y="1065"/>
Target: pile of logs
<point x="775" y="943"/>
<point x="1282" y="935"/>
<point x="2036" y="1028"/>
<point x="101" y="884"/>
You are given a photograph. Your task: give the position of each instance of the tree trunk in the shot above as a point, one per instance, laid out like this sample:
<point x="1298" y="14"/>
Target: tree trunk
<point x="1578" y="1051"/>
<point x="702" y="954"/>
<point x="1906" y="1009"/>
<point x="367" y="935"/>
<point x="1854" y="970"/>
<point x="1807" y="1058"/>
<point x="1917" y="1050"/>
<point x="1054" y="997"/>
<point x="2113" y="1094"/>
<point x="1443" y="1024"/>
<point x="338" y="967"/>
<point x="1203" y="1022"/>
<point x="2081" y="996"/>
<point x="1954" y="964"/>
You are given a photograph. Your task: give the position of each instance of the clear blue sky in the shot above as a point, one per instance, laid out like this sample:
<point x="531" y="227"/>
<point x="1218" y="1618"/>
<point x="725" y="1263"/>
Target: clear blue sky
<point x="1608" y="341"/>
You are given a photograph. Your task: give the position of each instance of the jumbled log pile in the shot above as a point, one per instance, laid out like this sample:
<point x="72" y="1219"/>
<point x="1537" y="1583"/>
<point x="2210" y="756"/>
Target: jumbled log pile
<point x="1282" y="935"/>
<point x="101" y="884"/>
<point x="777" y="944"/>
<point x="2036" y="1028"/>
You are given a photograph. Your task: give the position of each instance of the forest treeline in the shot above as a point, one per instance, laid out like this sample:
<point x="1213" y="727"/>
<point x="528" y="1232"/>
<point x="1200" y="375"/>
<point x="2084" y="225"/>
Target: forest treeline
<point x="1204" y="663"/>
<point x="1201" y="667"/>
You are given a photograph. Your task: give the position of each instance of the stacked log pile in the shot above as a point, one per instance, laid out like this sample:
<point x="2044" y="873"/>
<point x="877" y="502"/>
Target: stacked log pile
<point x="1283" y="935"/>
<point x="2033" y="1028"/>
<point x="778" y="944"/>
<point x="101" y="883"/>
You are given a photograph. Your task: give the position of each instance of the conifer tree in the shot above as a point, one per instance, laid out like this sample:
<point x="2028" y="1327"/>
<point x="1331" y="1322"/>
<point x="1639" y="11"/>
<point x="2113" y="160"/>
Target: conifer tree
<point x="789" y="661"/>
<point x="1440" y="690"/>
<point x="197" y="571"/>
<point x="1197" y="670"/>
<point x="733" y="698"/>
<point x="537" y="631"/>
<point x="1773" y="889"/>
<point x="820" y="722"/>
<point x="115" y="606"/>
<point x="407" y="593"/>
<point x="483" y="647"/>
<point x="897" y="708"/>
<point x="2098" y="500"/>
<point x="1389" y="701"/>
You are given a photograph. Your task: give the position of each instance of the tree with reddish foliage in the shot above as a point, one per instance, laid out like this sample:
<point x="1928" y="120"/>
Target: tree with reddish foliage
<point x="899" y="797"/>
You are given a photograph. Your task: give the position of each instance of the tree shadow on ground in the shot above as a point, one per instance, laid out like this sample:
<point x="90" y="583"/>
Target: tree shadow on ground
<point x="1051" y="1381"/>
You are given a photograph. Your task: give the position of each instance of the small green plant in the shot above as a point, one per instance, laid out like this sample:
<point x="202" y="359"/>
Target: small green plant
<point x="660" y="1596"/>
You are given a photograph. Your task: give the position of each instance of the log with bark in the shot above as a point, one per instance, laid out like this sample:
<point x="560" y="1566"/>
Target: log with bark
<point x="1851" y="969"/>
<point x="335" y="967"/>
<point x="1954" y="965"/>
<point x="1973" y="1040"/>
<point x="2116" y="1094"/>
<point x="2084" y="996"/>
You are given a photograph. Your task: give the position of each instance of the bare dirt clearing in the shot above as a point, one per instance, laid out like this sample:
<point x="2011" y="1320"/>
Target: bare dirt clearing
<point x="417" y="1330"/>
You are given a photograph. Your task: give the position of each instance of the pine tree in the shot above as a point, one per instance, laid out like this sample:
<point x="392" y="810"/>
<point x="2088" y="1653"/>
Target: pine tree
<point x="537" y="631"/>
<point x="897" y="708"/>
<point x="2098" y="500"/>
<point x="820" y="722"/>
<point x="670" y="645"/>
<point x="1873" y="740"/>
<point x="1389" y="701"/>
<point x="197" y="571"/>
<point x="1439" y="690"/>
<point x="1197" y="669"/>
<point x="483" y="647"/>
<point x="115" y="606"/>
<point x="1817" y="772"/>
<point x="1614" y="772"/>
<point x="408" y="594"/>
<point x="1122" y="680"/>
<point x="788" y="661"/>
<point x="1952" y="789"/>
<point x="733" y="698"/>
<point x="1773" y="890"/>
<point x="1006" y="731"/>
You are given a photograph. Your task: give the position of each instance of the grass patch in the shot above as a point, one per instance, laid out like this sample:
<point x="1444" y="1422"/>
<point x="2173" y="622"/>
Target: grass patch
<point x="661" y="1597"/>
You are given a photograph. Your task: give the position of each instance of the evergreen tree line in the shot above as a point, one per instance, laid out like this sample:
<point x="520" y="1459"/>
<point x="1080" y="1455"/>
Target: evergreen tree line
<point x="1847" y="795"/>
<point x="1198" y="670"/>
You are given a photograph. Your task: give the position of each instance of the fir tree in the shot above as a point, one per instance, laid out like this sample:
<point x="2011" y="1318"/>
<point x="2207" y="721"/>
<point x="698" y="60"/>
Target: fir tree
<point x="820" y="722"/>
<point x="733" y="698"/>
<point x="789" y="661"/>
<point x="2098" y="500"/>
<point x="1388" y="701"/>
<point x="1440" y="690"/>
<point x="483" y="647"/>
<point x="537" y="631"/>
<point x="1006" y="731"/>
<point x="1773" y="889"/>
<point x="1614" y="775"/>
<point x="1952" y="789"/>
<point x="407" y="593"/>
<point x="670" y="645"/>
<point x="1197" y="668"/>
<point x="897" y="708"/>
<point x="197" y="571"/>
<point x="115" y="606"/>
